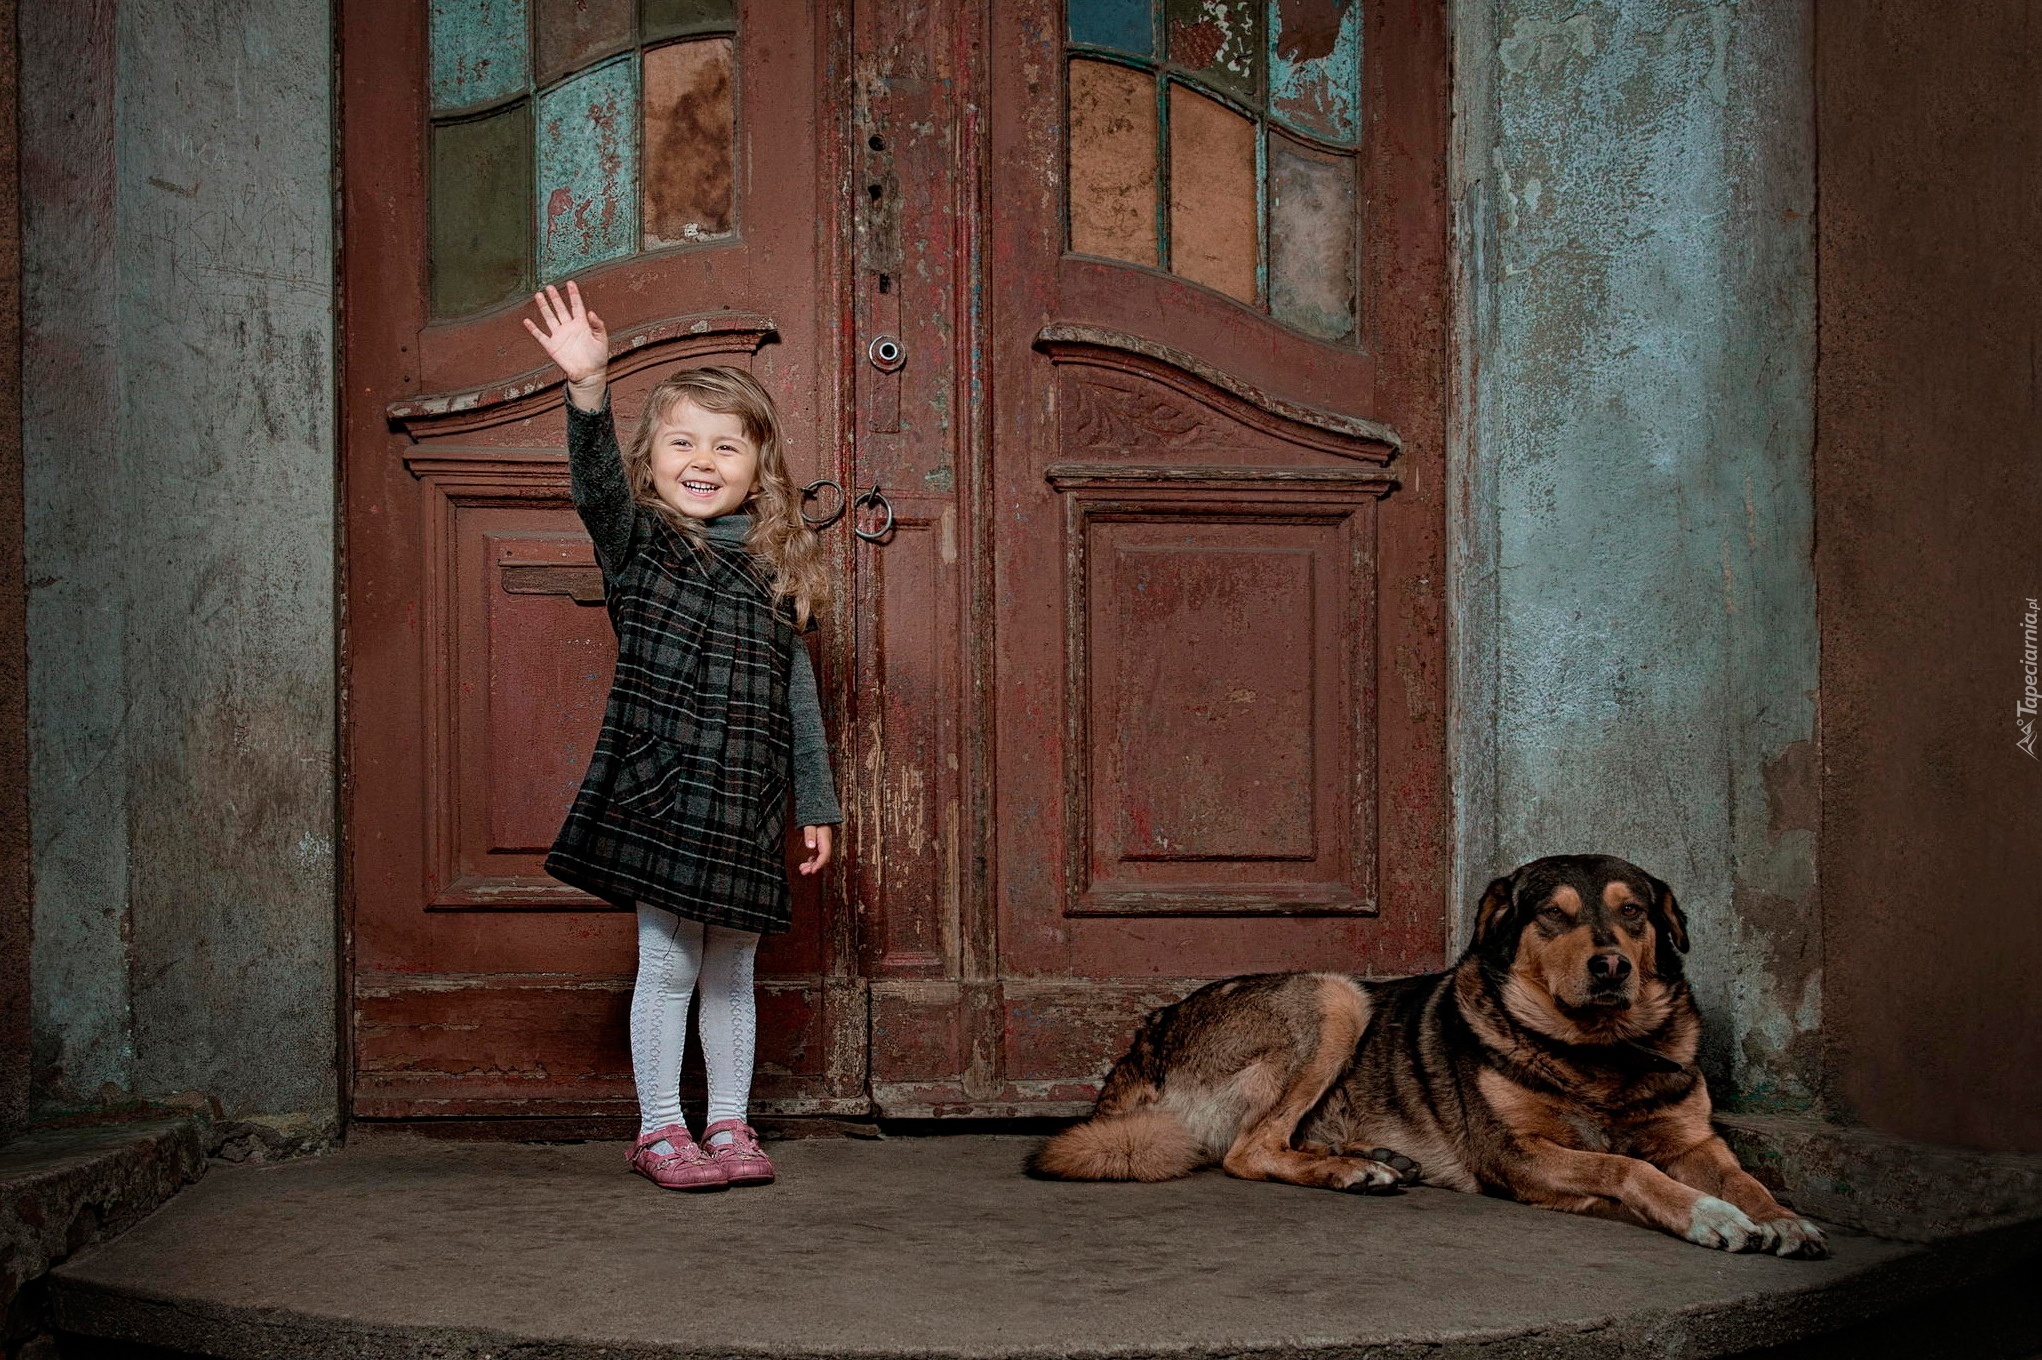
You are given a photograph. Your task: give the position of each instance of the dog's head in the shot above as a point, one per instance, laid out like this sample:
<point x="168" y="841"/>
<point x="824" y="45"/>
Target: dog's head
<point x="1595" y="935"/>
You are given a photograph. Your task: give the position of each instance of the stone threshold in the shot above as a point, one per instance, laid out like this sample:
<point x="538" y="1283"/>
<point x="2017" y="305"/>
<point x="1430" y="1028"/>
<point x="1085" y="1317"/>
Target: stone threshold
<point x="938" y="1248"/>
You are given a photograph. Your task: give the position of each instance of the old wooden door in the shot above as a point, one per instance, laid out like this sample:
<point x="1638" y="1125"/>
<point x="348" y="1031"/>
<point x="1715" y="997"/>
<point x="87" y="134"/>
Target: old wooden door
<point x="1185" y="520"/>
<point x="667" y="155"/>
<point x="1143" y="684"/>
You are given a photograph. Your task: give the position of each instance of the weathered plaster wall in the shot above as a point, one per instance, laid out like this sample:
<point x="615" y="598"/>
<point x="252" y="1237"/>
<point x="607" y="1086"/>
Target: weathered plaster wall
<point x="1929" y="479"/>
<point x="75" y="522"/>
<point x="15" y="919"/>
<point x="1634" y="597"/>
<point x="181" y="537"/>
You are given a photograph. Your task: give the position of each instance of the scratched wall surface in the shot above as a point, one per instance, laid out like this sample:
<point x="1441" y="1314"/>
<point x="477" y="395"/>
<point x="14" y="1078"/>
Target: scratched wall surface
<point x="16" y="921"/>
<point x="180" y="464"/>
<point x="78" y="764"/>
<point x="1634" y="599"/>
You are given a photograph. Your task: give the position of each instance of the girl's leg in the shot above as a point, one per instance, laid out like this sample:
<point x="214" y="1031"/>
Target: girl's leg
<point x="729" y="1021"/>
<point x="669" y="958"/>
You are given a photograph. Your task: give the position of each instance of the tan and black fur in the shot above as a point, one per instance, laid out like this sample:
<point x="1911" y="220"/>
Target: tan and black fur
<point x="1553" y="1064"/>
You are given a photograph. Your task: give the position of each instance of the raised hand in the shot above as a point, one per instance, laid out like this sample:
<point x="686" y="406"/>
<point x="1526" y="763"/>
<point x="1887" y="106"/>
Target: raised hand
<point x="575" y="338"/>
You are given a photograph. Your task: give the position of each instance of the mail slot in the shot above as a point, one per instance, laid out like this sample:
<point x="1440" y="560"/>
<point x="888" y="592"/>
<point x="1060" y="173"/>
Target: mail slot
<point x="558" y="568"/>
<point x="583" y="585"/>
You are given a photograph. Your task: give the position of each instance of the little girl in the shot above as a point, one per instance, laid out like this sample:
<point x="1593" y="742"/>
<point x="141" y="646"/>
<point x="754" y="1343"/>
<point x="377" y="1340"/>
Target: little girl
<point x="709" y="574"/>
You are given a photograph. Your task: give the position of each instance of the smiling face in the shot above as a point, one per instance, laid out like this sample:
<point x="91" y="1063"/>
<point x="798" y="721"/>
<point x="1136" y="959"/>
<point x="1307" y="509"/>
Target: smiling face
<point x="703" y="463"/>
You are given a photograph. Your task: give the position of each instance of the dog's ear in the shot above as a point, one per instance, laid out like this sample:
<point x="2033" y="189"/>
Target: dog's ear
<point x="1489" y="916"/>
<point x="1667" y="917"/>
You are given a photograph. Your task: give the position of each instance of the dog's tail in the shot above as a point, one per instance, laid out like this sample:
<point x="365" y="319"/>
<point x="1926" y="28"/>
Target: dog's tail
<point x="1138" y="1145"/>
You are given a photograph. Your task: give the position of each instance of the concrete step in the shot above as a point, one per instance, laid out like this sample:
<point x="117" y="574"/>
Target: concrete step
<point x="62" y="1189"/>
<point x="935" y="1248"/>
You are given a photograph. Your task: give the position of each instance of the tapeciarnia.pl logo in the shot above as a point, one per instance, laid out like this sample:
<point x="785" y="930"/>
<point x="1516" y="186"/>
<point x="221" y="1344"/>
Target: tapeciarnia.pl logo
<point x="2024" y="711"/>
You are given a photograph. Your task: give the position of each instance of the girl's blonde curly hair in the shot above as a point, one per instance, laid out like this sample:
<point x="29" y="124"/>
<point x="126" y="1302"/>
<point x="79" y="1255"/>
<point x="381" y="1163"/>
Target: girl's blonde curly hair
<point x="778" y="537"/>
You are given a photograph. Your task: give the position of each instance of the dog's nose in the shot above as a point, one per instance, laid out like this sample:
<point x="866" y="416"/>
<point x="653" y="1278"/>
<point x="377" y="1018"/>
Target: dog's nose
<point x="1611" y="967"/>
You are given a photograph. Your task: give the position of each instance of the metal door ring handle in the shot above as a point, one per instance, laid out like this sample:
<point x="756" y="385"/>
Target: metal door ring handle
<point x="874" y="499"/>
<point x="808" y="493"/>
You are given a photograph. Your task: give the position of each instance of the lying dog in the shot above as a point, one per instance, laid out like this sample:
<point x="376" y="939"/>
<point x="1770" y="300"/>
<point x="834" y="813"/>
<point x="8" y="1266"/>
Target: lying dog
<point x="1554" y="1064"/>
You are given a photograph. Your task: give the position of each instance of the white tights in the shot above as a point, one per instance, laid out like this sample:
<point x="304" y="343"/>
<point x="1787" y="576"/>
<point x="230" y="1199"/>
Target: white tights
<point x="672" y="954"/>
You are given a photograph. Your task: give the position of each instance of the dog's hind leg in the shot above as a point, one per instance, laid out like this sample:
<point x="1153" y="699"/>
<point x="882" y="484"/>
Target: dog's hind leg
<point x="1262" y="1151"/>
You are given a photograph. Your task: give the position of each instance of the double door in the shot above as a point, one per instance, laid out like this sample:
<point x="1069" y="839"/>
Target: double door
<point x="1123" y="323"/>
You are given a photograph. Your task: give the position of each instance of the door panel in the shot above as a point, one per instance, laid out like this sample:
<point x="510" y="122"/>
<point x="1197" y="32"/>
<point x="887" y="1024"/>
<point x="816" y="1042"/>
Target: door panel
<point x="1212" y="708"/>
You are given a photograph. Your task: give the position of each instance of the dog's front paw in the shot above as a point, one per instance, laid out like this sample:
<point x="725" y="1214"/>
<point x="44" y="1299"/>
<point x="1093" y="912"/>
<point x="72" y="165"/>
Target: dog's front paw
<point x="1722" y="1225"/>
<point x="1794" y="1236"/>
<point x="1364" y="1176"/>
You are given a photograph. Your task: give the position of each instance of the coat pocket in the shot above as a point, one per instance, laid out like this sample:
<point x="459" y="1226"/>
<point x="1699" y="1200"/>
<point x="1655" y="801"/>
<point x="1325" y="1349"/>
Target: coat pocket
<point x="770" y="808"/>
<point x="648" y="777"/>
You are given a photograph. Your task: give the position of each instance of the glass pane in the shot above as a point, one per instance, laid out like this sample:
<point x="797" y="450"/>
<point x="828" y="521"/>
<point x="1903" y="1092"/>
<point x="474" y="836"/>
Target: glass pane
<point x="1126" y="25"/>
<point x="588" y="169"/>
<point x="569" y="34"/>
<point x="481" y="226"/>
<point x="1113" y="162"/>
<point x="674" y="18"/>
<point x="690" y="141"/>
<point x="1311" y="239"/>
<point x="478" y="52"/>
<point x="1220" y="41"/>
<point x="1212" y="194"/>
<point x="1315" y="66"/>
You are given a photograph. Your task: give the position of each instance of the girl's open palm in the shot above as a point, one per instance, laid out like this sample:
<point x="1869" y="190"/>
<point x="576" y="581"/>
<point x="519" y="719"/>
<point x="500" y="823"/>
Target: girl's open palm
<point x="576" y="338"/>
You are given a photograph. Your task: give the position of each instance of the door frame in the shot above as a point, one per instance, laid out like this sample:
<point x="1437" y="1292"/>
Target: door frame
<point x="1410" y="299"/>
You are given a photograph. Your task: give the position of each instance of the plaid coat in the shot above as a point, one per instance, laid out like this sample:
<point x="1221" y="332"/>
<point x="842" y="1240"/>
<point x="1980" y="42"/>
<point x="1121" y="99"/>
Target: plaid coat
<point x="685" y="802"/>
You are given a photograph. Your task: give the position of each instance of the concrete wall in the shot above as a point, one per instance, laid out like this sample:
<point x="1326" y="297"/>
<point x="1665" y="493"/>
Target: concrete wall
<point x="178" y="427"/>
<point x="1929" y="474"/>
<point x="15" y="918"/>
<point x="1633" y="590"/>
<point x="70" y="392"/>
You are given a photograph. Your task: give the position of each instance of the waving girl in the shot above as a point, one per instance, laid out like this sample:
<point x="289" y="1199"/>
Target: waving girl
<point x="710" y="577"/>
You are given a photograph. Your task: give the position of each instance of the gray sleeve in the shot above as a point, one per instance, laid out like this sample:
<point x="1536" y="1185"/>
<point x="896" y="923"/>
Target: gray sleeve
<point x="815" y="793"/>
<point x="602" y="496"/>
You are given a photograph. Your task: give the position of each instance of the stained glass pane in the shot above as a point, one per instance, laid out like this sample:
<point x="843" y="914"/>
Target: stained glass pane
<point x="569" y="34"/>
<point x="1219" y="41"/>
<point x="1315" y="66"/>
<point x="588" y="169"/>
<point x="690" y="141"/>
<point x="481" y="223"/>
<point x="1113" y="162"/>
<point x="676" y="18"/>
<point x="1126" y="25"/>
<point x="478" y="52"/>
<point x="1213" y="194"/>
<point x="1311" y="239"/>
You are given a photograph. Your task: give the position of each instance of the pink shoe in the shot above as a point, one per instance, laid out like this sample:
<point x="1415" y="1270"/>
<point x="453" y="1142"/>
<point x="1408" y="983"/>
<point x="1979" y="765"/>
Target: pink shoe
<point x="741" y="1160"/>
<point x="687" y="1167"/>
